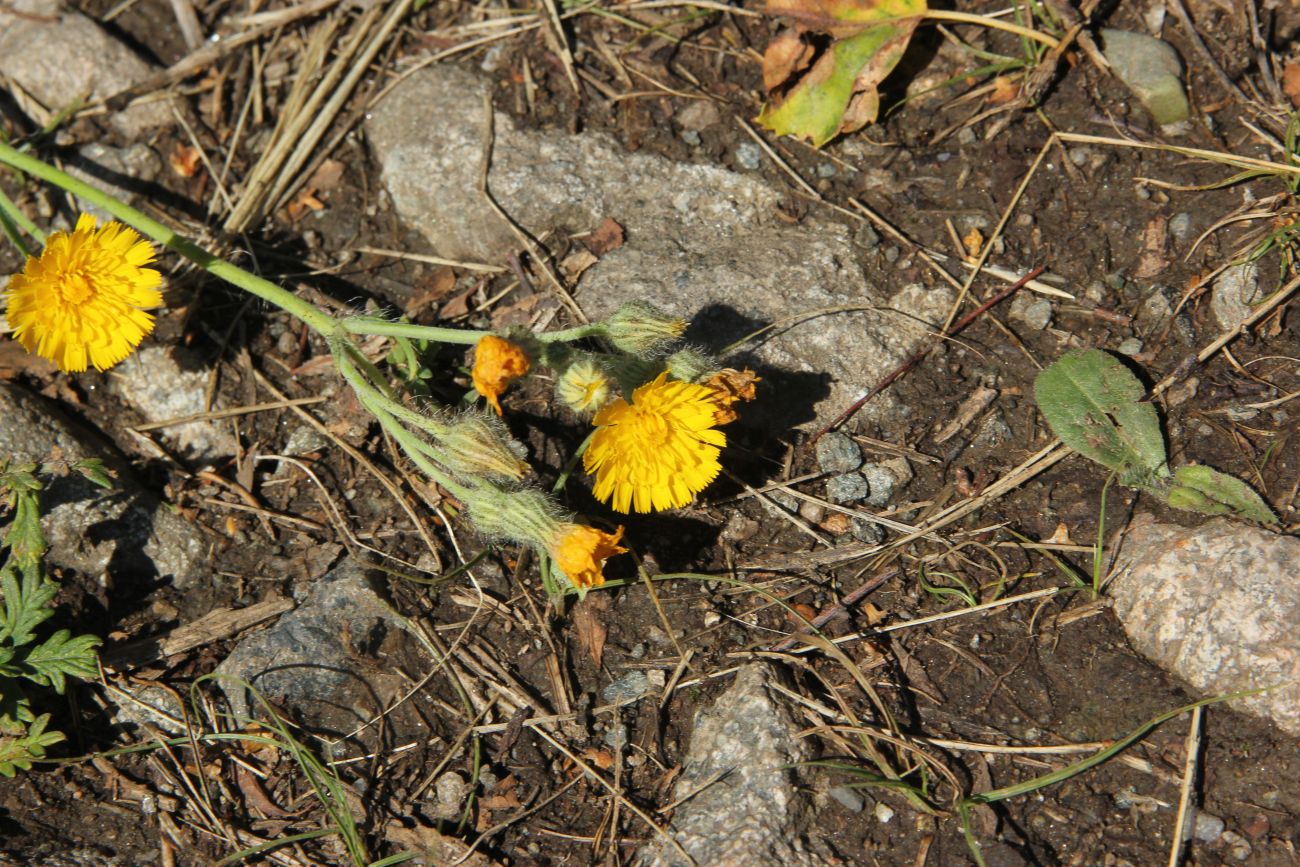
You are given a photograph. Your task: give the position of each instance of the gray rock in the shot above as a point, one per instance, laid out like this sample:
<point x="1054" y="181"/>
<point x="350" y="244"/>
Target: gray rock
<point x="125" y="530"/>
<point x="1129" y="346"/>
<point x="1207" y="827"/>
<point x="882" y="482"/>
<point x="850" y="799"/>
<point x="749" y="155"/>
<point x="329" y="663"/>
<point x="450" y="791"/>
<point x="147" y="704"/>
<point x="993" y="432"/>
<point x="752" y="812"/>
<point x="155" y="385"/>
<point x="702" y="242"/>
<point x="1180" y="226"/>
<point x="112" y="170"/>
<point x="838" y="453"/>
<point x="629" y="687"/>
<point x="61" y="57"/>
<point x="1151" y="69"/>
<point x="867" y="532"/>
<point x="1233" y="292"/>
<point x="1216" y="605"/>
<point x="1155" y="309"/>
<point x="848" y="488"/>
<point x="1034" y="312"/>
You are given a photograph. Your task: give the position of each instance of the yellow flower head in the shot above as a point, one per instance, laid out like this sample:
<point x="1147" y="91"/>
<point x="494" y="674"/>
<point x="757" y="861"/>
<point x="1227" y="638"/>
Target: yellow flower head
<point x="80" y="300"/>
<point x="497" y="363"/>
<point x="581" y="552"/>
<point x="660" y="450"/>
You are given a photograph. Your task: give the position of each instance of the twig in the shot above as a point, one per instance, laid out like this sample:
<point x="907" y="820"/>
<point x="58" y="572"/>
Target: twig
<point x="837" y="609"/>
<point x="921" y="353"/>
<point x="1193" y="746"/>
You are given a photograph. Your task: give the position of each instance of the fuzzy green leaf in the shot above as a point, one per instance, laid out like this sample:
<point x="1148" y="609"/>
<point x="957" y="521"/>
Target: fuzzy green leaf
<point x="1094" y="404"/>
<point x="61" y="655"/>
<point x="1210" y="492"/>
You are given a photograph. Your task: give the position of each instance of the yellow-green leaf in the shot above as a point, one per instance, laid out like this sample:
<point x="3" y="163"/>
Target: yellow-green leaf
<point x="819" y="96"/>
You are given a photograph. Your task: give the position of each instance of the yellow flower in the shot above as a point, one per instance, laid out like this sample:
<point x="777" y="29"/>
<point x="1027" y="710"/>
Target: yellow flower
<point x="80" y="300"/>
<point x="660" y="450"/>
<point x="497" y="363"/>
<point x="581" y="552"/>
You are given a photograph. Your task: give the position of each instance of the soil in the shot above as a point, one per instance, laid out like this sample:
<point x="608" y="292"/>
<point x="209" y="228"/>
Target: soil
<point x="1054" y="671"/>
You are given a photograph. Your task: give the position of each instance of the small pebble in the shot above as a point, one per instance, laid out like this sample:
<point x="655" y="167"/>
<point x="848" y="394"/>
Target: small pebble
<point x="826" y="170"/>
<point x="691" y="137"/>
<point x="1180" y="226"/>
<point x="848" y="798"/>
<point x="838" y="453"/>
<point x="630" y="686"/>
<point x="749" y="155"/>
<point x="616" y="737"/>
<point x="1238" y="848"/>
<point x="848" y="488"/>
<point x="1130" y="347"/>
<point x="867" y="532"/>
<point x="1208" y="827"/>
<point x="881" y="482"/>
<point x="892" y="254"/>
<point x="966" y="136"/>
<point x="884" y="813"/>
<point x="813" y="513"/>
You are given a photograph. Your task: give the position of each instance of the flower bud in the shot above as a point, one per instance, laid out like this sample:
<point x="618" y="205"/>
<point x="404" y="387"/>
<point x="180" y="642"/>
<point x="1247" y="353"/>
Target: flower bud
<point x="640" y="329"/>
<point x="691" y="365"/>
<point x="583" y="387"/>
<point x="475" y="444"/>
<point x="526" y="515"/>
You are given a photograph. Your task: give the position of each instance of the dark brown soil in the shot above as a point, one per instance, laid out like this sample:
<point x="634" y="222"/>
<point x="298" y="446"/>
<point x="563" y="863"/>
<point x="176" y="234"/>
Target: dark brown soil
<point x="1033" y="674"/>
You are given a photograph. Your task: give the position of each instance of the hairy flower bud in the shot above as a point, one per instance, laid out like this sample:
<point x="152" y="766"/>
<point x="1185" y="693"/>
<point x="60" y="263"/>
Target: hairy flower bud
<point x="640" y="329"/>
<point x="583" y="387"/>
<point x="474" y="444"/>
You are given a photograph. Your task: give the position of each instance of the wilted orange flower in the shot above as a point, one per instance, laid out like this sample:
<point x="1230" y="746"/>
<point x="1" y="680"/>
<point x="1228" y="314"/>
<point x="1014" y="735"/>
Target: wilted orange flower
<point x="581" y="552"/>
<point x="497" y="363"/>
<point x="80" y="300"/>
<point x="728" y="387"/>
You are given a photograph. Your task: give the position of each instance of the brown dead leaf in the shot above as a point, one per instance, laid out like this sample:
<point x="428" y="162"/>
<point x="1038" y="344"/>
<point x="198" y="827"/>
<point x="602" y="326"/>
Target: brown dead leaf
<point x="785" y="55"/>
<point x="15" y="360"/>
<point x="1155" y="240"/>
<point x="431" y="289"/>
<point x="573" y="265"/>
<point x="1291" y="83"/>
<point x="973" y="241"/>
<point x="609" y="235"/>
<point x="327" y="177"/>
<point x="184" y="160"/>
<point x="589" y="624"/>
<point x="1004" y="90"/>
<point x="256" y="796"/>
<point x="458" y="305"/>
<point x="601" y="758"/>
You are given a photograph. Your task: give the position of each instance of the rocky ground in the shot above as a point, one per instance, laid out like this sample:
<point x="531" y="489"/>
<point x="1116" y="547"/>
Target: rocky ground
<point x="310" y="660"/>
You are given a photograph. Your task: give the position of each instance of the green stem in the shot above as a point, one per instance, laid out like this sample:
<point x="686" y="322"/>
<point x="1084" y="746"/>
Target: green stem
<point x="15" y="218"/>
<point x="169" y="238"/>
<point x="366" y="325"/>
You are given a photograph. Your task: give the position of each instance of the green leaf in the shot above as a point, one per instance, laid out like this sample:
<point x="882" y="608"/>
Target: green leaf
<point x="1094" y="404"/>
<point x="26" y="595"/>
<point x="60" y="655"/>
<point x="95" y="472"/>
<point x="820" y="96"/>
<point x="24" y="537"/>
<point x="18" y="751"/>
<point x="1210" y="492"/>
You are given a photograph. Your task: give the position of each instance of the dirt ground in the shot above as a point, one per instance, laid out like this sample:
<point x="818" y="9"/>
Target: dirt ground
<point x="940" y="164"/>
